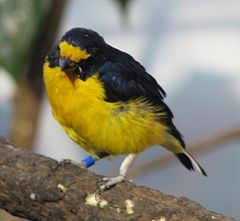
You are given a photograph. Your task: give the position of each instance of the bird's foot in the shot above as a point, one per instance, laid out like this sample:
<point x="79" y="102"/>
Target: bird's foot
<point x="64" y="162"/>
<point x="111" y="181"/>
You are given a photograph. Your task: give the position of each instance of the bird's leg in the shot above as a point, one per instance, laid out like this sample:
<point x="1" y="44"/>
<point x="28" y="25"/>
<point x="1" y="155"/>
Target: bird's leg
<point x="89" y="161"/>
<point x="85" y="163"/>
<point x="122" y="173"/>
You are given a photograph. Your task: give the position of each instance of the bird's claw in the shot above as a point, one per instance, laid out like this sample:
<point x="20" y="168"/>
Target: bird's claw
<point x="111" y="181"/>
<point x="64" y="162"/>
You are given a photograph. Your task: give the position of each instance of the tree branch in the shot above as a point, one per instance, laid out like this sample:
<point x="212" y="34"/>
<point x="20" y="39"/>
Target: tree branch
<point x="32" y="187"/>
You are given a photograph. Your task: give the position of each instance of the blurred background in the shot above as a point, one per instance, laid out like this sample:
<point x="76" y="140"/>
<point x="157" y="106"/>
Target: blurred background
<point x="191" y="47"/>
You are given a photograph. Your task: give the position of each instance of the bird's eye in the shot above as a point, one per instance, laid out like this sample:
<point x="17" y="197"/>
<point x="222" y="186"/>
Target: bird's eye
<point x="81" y="74"/>
<point x="80" y="69"/>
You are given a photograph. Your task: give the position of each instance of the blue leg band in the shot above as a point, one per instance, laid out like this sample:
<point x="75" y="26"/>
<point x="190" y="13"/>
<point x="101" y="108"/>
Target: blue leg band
<point x="88" y="161"/>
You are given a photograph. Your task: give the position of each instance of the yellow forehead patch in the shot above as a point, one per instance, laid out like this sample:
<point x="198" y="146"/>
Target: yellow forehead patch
<point x="73" y="52"/>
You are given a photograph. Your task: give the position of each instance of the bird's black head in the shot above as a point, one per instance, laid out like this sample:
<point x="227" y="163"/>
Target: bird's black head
<point x="78" y="48"/>
<point x="86" y="39"/>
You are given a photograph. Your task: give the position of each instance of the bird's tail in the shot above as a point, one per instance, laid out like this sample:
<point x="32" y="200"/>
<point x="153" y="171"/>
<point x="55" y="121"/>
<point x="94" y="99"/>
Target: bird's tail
<point x="189" y="162"/>
<point x="175" y="144"/>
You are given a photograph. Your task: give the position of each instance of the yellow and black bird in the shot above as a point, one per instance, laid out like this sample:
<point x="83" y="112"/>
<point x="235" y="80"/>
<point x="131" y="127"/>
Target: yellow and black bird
<point x="107" y="103"/>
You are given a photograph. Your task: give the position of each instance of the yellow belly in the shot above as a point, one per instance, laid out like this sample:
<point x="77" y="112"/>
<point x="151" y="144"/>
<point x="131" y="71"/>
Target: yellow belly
<point x="97" y="125"/>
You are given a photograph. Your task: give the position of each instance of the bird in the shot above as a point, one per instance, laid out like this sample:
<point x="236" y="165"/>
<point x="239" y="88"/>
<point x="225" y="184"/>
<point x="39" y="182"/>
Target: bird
<point x="108" y="103"/>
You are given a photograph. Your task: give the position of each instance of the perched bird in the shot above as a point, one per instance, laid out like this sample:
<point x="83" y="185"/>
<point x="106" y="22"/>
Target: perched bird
<point x="107" y="103"/>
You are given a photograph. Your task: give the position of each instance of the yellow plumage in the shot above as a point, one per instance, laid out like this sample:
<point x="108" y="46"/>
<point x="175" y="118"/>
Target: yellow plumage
<point x="74" y="53"/>
<point x="99" y="126"/>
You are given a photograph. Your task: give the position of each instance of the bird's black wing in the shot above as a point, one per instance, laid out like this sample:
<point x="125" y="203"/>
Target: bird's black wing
<point x="127" y="81"/>
<point x="124" y="81"/>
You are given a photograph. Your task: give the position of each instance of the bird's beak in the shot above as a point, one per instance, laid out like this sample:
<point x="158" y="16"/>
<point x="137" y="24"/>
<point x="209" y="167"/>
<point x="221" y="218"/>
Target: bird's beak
<point x="67" y="65"/>
<point x="71" y="67"/>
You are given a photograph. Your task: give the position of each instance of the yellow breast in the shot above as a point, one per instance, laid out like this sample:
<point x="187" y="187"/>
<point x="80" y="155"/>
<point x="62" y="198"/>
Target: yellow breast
<point x="97" y="125"/>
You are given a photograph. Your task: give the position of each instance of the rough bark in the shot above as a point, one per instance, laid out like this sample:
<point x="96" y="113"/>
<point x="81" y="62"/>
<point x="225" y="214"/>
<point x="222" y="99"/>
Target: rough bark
<point x="32" y="187"/>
